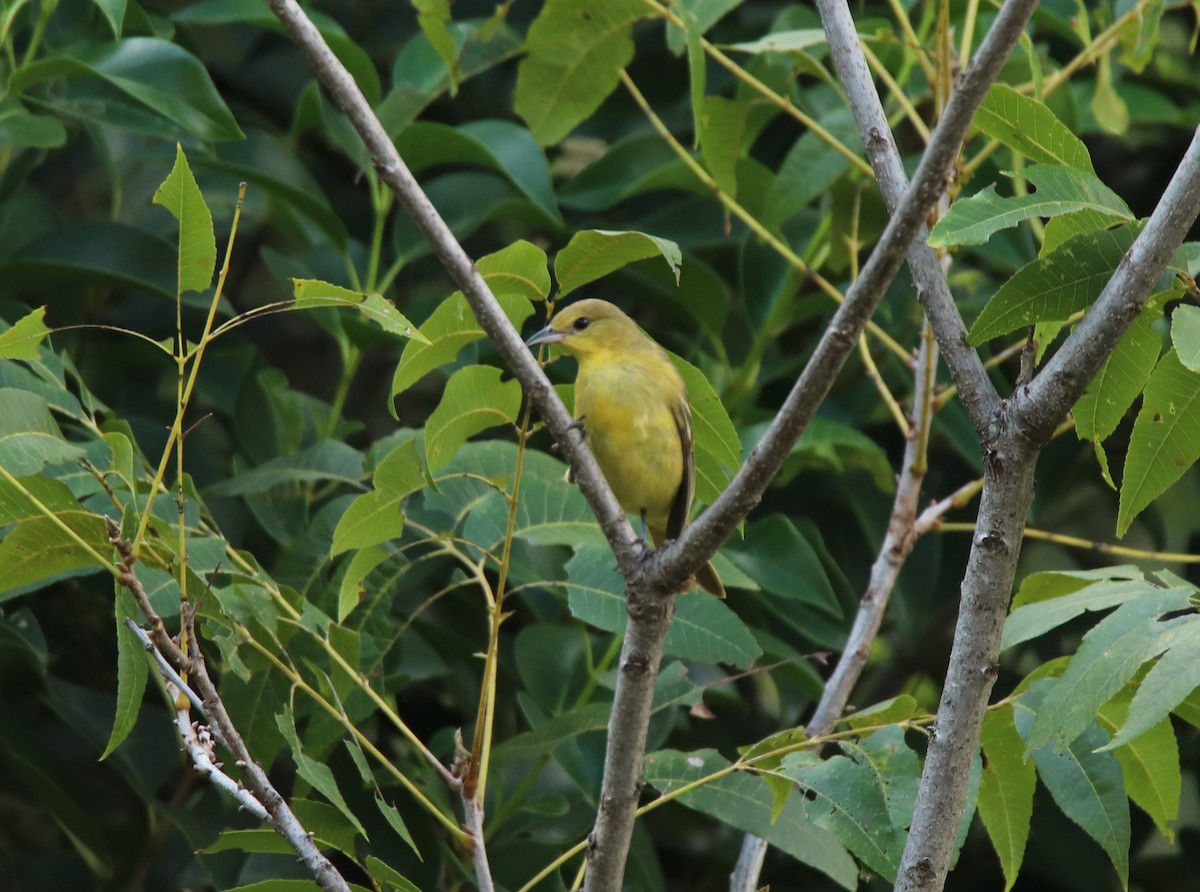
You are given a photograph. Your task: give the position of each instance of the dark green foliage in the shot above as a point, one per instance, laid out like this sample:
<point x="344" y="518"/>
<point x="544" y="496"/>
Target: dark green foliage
<point x="343" y="517"/>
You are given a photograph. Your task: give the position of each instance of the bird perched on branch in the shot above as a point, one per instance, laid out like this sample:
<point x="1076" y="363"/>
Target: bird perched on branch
<point x="633" y="406"/>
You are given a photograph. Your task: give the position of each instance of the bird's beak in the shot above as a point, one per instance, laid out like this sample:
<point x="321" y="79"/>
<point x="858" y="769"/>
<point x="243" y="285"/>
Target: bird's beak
<point x="546" y="336"/>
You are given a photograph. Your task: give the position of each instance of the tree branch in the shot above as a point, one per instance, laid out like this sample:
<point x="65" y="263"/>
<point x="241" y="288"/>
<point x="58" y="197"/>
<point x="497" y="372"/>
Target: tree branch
<point x="1039" y="407"/>
<point x="341" y="86"/>
<point x="700" y="540"/>
<point x="978" y="395"/>
<point x="278" y="814"/>
<point x="897" y="545"/>
<point x="1010" y="460"/>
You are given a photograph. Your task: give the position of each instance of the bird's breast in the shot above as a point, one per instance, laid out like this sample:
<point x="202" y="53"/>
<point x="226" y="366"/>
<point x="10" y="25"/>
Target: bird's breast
<point x="629" y="413"/>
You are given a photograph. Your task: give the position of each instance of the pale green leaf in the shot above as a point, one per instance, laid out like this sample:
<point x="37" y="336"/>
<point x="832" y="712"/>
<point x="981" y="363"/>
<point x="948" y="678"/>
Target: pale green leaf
<point x="1031" y="620"/>
<point x="1052" y="288"/>
<point x="1110" y="655"/>
<point x="1086" y="785"/>
<point x="309" y="293"/>
<point x="432" y="17"/>
<point x="1165" y="440"/>
<point x="474" y="399"/>
<point x="1185" y="335"/>
<point x="575" y="54"/>
<point x="1122" y="377"/>
<point x="717" y="447"/>
<point x="747" y="803"/>
<point x="21" y="340"/>
<point x="316" y="773"/>
<point x="782" y="42"/>
<point x="704" y="628"/>
<point x="1059" y="190"/>
<point x="132" y="671"/>
<point x="29" y="435"/>
<point x="1169" y="683"/>
<point x="391" y="880"/>
<point x="593" y="253"/>
<point x="325" y="460"/>
<point x="517" y="275"/>
<point x="197" y="255"/>
<point x="1027" y="126"/>
<point x="723" y="137"/>
<point x="1149" y="763"/>
<point x="1006" y="790"/>
<point x="851" y="801"/>
<point x="377" y="516"/>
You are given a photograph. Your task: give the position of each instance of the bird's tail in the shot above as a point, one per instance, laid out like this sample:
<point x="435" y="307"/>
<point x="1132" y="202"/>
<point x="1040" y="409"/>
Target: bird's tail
<point x="706" y="577"/>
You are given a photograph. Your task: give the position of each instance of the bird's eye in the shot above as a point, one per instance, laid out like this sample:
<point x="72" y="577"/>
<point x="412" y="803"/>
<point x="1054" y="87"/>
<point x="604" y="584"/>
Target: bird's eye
<point x="581" y="323"/>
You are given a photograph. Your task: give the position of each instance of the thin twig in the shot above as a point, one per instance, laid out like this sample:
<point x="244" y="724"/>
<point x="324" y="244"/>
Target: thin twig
<point x="279" y="815"/>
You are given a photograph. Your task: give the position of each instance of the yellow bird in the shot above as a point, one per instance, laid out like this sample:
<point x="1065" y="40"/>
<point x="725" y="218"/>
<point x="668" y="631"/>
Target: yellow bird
<point x="633" y="405"/>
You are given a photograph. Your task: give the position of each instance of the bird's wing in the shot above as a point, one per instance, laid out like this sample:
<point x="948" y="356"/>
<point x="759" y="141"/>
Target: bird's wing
<point x="681" y="505"/>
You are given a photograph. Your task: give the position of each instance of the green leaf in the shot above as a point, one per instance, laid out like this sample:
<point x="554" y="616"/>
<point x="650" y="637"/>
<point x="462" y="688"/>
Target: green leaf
<point x="158" y="74"/>
<point x="1030" y="620"/>
<point x="517" y="275"/>
<point x="1006" y="790"/>
<point x="1185" y="335"/>
<point x="1053" y="287"/>
<point x="326" y="824"/>
<point x="575" y="55"/>
<point x="1027" y="126"/>
<point x="1110" y="655"/>
<point x="1149" y="762"/>
<point x="498" y="145"/>
<point x="419" y="75"/>
<point x="593" y="253"/>
<point x="782" y="42"/>
<point x="21" y="130"/>
<point x="350" y="591"/>
<point x="1086" y="785"/>
<point x="93" y="252"/>
<point x="318" y="774"/>
<point x="1139" y="36"/>
<point x="309" y="293"/>
<point x="29" y="435"/>
<point x="180" y="195"/>
<point x="704" y="628"/>
<point x="38" y="550"/>
<point x="717" y="447"/>
<point x="747" y="803"/>
<point x="671" y="689"/>
<point x="391" y="880"/>
<point x="550" y="512"/>
<point x="21" y="340"/>
<point x="1122" y="377"/>
<point x="699" y="15"/>
<point x="811" y="167"/>
<point x="132" y="671"/>
<point x="852" y="802"/>
<point x="325" y="460"/>
<point x="887" y="712"/>
<point x="1107" y="106"/>
<point x="391" y="814"/>
<point x="723" y="138"/>
<point x="779" y="558"/>
<point x="224" y="12"/>
<point x="1166" y="438"/>
<point x="1170" y="682"/>
<point x="1059" y="190"/>
<point x="474" y="399"/>
<point x="432" y="16"/>
<point x="378" y="516"/>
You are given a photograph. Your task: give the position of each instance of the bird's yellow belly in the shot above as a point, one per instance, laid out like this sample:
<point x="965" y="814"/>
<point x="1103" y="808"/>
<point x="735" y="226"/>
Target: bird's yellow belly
<point x="635" y="440"/>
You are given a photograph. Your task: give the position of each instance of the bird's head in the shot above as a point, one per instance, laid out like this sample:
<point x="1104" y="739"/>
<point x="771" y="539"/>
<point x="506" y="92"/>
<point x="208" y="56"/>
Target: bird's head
<point x="588" y="327"/>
